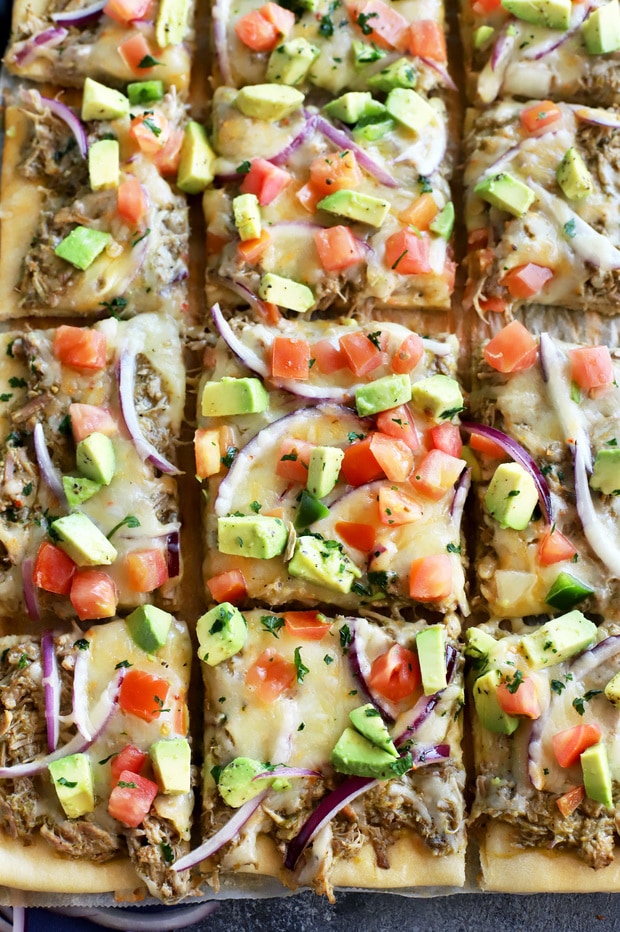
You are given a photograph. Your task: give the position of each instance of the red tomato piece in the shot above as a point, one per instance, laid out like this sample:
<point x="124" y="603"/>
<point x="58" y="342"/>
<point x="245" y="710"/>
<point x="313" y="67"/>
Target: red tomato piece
<point x="407" y="253"/>
<point x="80" y="347"/>
<point x="524" y="281"/>
<point x="569" y="744"/>
<point x="396" y="507"/>
<point x="495" y="305"/>
<point x="361" y="354"/>
<point x="143" y="694"/>
<point x="393" y="456"/>
<point x="281" y="18"/>
<point x="251" y="250"/>
<point x="168" y="157"/>
<point x="53" y="569"/>
<point x="257" y="32"/>
<point x="86" y="419"/>
<point x="146" y="569"/>
<point x="513" y="349"/>
<point x="290" y="358"/>
<point x="486" y="6"/>
<point x="571" y="800"/>
<point x="207" y="452"/>
<point x="427" y="39"/>
<point x="335" y="172"/>
<point x="408" y="355"/>
<point x="359" y="465"/>
<point x="398" y="422"/>
<point x="436" y="473"/>
<point x="447" y="437"/>
<point x="591" y="367"/>
<point x="421" y="212"/>
<point x="327" y="357"/>
<point x="387" y="27"/>
<point x="308" y="197"/>
<point x="359" y="536"/>
<point x="430" y="578"/>
<point x="126" y="11"/>
<point x="132" y="201"/>
<point x="228" y="587"/>
<point x="337" y="248"/>
<point x="271" y="675"/>
<point x="131" y="799"/>
<point x="523" y="701"/>
<point x="265" y="180"/>
<point x="395" y="674"/>
<point x="150" y="131"/>
<point x="130" y="758"/>
<point x="134" y="51"/>
<point x="309" y="626"/>
<point x="540" y="118"/>
<point x="555" y="547"/>
<point x="93" y="594"/>
<point x="293" y="460"/>
<point x="487" y="447"/>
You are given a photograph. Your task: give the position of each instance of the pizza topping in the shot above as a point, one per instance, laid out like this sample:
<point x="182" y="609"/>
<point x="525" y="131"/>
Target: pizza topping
<point x="601" y="29"/>
<point x="221" y="633"/>
<point x="171" y="759"/>
<point x="93" y="594"/>
<point x="143" y="695"/>
<point x="131" y="799"/>
<point x="149" y="627"/>
<point x="73" y="780"/>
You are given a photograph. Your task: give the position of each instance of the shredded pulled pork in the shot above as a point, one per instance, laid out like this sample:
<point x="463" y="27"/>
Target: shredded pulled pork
<point x="153" y="847"/>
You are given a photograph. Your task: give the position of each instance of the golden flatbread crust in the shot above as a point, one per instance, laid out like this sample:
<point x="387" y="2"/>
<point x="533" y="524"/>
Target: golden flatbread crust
<point x="509" y="868"/>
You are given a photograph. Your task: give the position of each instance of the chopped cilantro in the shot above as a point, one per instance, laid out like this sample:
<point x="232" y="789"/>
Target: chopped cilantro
<point x="453" y="548"/>
<point x="23" y="662"/>
<point x="362" y="22"/>
<point x="115" y="305"/>
<point x="345" y="638"/>
<point x="557" y="687"/>
<point x="167" y="852"/>
<point x="6" y="396"/>
<point x="256" y="507"/>
<point x="127" y="784"/>
<point x="135" y="242"/>
<point x="129" y="520"/>
<point x="570" y="228"/>
<point x="327" y="659"/>
<point x="215" y="773"/>
<point x="16" y="382"/>
<point x="123" y="664"/>
<point x="148" y="62"/>
<point x="62" y="781"/>
<point x="272" y="624"/>
<point x="515" y="682"/>
<point x="374" y="338"/>
<point x="244" y="168"/>
<point x="352" y="436"/>
<point x="300" y="666"/>
<point x="65" y="427"/>
<point x="82" y="644"/>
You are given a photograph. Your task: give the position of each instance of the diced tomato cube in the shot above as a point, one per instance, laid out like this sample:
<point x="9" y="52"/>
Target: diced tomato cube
<point x="359" y="536"/>
<point x="308" y="197"/>
<point x="359" y="465"/>
<point x="555" y="547"/>
<point x="168" y="157"/>
<point x="282" y="19"/>
<point x="408" y="355"/>
<point x="523" y="701"/>
<point x="396" y="507"/>
<point x="513" y="349"/>
<point x="130" y="758"/>
<point x="265" y="180"/>
<point x="146" y="569"/>
<point x="427" y="39"/>
<point x="430" y="578"/>
<point x="524" y="281"/>
<point x="132" y="201"/>
<point x="53" y="569"/>
<point x="80" y="347"/>
<point x="395" y="674"/>
<point x="93" y="594"/>
<point x="143" y="694"/>
<point x="487" y="447"/>
<point x="207" y="452"/>
<point x="228" y="587"/>
<point x="126" y="11"/>
<point x="251" y="250"/>
<point x="420" y="212"/>
<point x="398" y="422"/>
<point x="270" y="675"/>
<point x="591" y="367"/>
<point x="150" y="131"/>
<point x="135" y="52"/>
<point x="257" y="32"/>
<point x="408" y="253"/>
<point x="569" y="744"/>
<point x="335" y="172"/>
<point x="494" y="305"/>
<point x="337" y="248"/>
<point x="327" y="357"/>
<point x="540" y="118"/>
<point x="447" y="437"/>
<point x="294" y="460"/>
<point x="86" y="419"/>
<point x="436" y="474"/>
<point x="290" y="358"/>
<point x="571" y="800"/>
<point x="309" y="626"/>
<point x="131" y="799"/>
<point x="384" y="25"/>
<point x="482" y="7"/>
<point x="393" y="456"/>
<point x="361" y="354"/>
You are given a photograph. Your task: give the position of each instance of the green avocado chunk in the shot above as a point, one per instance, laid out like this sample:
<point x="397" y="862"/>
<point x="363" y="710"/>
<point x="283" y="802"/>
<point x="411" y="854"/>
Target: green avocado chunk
<point x="323" y="470"/>
<point x="104" y="164"/>
<point x="409" y="108"/>
<point x="149" y="627"/>
<point x="235" y="784"/>
<point x="558" y="639"/>
<point x="196" y="160"/>
<point x="567" y="591"/>
<point x="511" y="496"/>
<point x="363" y="208"/>
<point x="145" y="92"/>
<point x="552" y="14"/>
<point x="400" y="73"/>
<point x="78" y="490"/>
<point x="443" y="224"/>
<point x="382" y="394"/>
<point x="488" y="709"/>
<point x="268" y="101"/>
<point x="172" y="22"/>
<point x="100" y="102"/>
<point x="356" y="755"/>
<point x="506" y="192"/>
<point x="82" y="540"/>
<point x="431" y="647"/>
<point x="232" y="396"/>
<point x="612" y="690"/>
<point x="324" y="563"/>
<point x="597" y="774"/>
<point x="290" y="62"/>
<point x="246" y="214"/>
<point x="601" y="30"/>
<point x="221" y="633"/>
<point x="171" y="759"/>
<point x="605" y="477"/>
<point x="353" y="106"/>
<point x="573" y="176"/>
<point x="438" y="396"/>
<point x="256" y="536"/>
<point x="73" y="781"/>
<point x="95" y="458"/>
<point x="310" y="510"/>
<point x="367" y="720"/>
<point x="286" y="293"/>
<point x="82" y="246"/>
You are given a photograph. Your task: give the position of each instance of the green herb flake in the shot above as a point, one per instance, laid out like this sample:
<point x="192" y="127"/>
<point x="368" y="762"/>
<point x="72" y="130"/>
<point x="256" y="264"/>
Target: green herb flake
<point x="148" y="62"/>
<point x="70" y="784"/>
<point x="300" y="666"/>
<point x="345" y="638"/>
<point x="516" y="681"/>
<point x="123" y="665"/>
<point x="167" y="852"/>
<point x="327" y="660"/>
<point x="127" y="784"/>
<point x="256" y="507"/>
<point x="82" y="644"/>
<point x="570" y="228"/>
<point x="129" y="520"/>
<point x="272" y="624"/>
<point x="557" y="687"/>
<point x="16" y="382"/>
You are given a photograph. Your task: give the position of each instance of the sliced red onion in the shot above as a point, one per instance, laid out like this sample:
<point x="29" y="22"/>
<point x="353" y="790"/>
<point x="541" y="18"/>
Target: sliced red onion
<point x="598" y="536"/>
<point x="51" y="689"/>
<point x="30" y="590"/>
<point x="492" y="75"/>
<point x="540" y="50"/>
<point x="173" y="554"/>
<point x="49" y="473"/>
<point x="427" y="153"/>
<point x="460" y="497"/>
<point x="344" y="140"/>
<point x="227" y="833"/>
<point x="360" y="667"/>
<point x="443" y="73"/>
<point x="596" y="116"/>
<point x="426" y="704"/>
<point x="283" y="771"/>
<point x="520" y="455"/>
<point x="81" y="718"/>
<point x="49" y="37"/>
<point x="126" y="391"/>
<point x="101" y="715"/>
<point x="246" y="294"/>
<point x="221" y="15"/>
<point x="68" y="116"/>
<point x="566" y="409"/>
<point x="423" y="756"/>
<point x="281" y="158"/>
<point x="82" y="17"/>
<point x="167" y="919"/>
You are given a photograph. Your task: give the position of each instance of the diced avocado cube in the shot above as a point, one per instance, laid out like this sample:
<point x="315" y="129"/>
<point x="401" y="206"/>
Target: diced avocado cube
<point x="443" y="224"/>
<point x="356" y="755"/>
<point x="310" y="510"/>
<point x="511" y="496"/>
<point x="482" y="35"/>
<point x="171" y="759"/>
<point x="246" y="213"/>
<point x="370" y="132"/>
<point x="566" y="592"/>
<point x="323" y="470"/>
<point x="104" y="164"/>
<point x="236" y="785"/>
<point x="438" y="396"/>
<point x="551" y="14"/>
<point x="488" y="709"/>
<point x="256" y="536"/>
<point x="382" y="394"/>
<point x="601" y="30"/>
<point x="400" y="73"/>
<point x="286" y="293"/>
<point x="353" y="106"/>
<point x="367" y="720"/>
<point x="365" y="53"/>
<point x="506" y="193"/>
<point x="221" y="633"/>
<point x="480" y="647"/>
<point x="431" y="647"/>
<point x="149" y="627"/>
<point x="573" y="176"/>
<point x="100" y="102"/>
<point x="612" y="690"/>
<point x="73" y="781"/>
<point x="409" y="108"/>
<point x="196" y="160"/>
<point x="268" y="101"/>
<point x="363" y="208"/>
<point x="82" y="246"/>
<point x="78" y="490"/>
<point x="605" y="477"/>
<point x="172" y="21"/>
<point x="232" y="396"/>
<point x="324" y="563"/>
<point x="557" y="640"/>
<point x="290" y="62"/>
<point x="82" y="540"/>
<point x="95" y="458"/>
<point x="145" y="92"/>
<point x="597" y="774"/>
